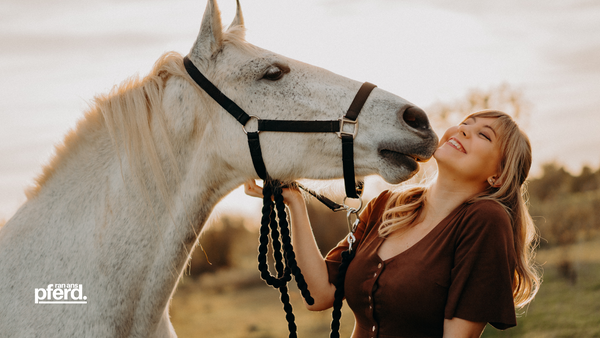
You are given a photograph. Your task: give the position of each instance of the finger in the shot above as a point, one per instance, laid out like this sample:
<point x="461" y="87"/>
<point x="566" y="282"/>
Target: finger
<point x="247" y="187"/>
<point x="252" y="189"/>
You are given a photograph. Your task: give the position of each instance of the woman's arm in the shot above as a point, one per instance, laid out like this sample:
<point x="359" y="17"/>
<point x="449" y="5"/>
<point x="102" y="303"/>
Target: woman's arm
<point x="460" y="328"/>
<point x="309" y="258"/>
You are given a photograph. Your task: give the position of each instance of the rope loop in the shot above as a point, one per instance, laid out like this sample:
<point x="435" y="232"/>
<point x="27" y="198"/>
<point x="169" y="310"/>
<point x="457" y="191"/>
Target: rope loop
<point x="275" y="230"/>
<point x="274" y="222"/>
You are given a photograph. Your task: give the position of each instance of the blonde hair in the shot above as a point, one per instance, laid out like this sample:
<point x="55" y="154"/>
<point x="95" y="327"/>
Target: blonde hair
<point x="406" y="206"/>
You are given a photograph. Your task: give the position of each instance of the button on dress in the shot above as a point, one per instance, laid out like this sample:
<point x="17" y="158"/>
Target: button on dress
<point x="464" y="267"/>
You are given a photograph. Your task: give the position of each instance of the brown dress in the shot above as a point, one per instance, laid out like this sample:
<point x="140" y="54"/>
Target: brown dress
<point x="462" y="268"/>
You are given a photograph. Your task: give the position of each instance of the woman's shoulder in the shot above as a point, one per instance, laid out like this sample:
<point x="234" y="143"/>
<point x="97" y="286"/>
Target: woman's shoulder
<point x="486" y="208"/>
<point x="375" y="207"/>
<point x="382" y="198"/>
<point x="486" y="215"/>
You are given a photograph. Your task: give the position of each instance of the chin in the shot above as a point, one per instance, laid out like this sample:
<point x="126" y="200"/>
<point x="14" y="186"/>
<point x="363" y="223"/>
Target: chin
<point x="443" y="155"/>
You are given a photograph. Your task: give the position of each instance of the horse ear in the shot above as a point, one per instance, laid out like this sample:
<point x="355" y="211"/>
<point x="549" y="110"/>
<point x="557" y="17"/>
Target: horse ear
<point x="210" y="38"/>
<point x="237" y="26"/>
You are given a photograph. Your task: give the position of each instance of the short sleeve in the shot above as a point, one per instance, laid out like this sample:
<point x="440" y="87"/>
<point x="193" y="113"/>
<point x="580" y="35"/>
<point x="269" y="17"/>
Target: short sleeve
<point x="333" y="260"/>
<point x="484" y="265"/>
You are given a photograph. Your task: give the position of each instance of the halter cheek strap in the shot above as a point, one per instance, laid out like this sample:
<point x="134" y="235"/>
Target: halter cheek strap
<point x="353" y="188"/>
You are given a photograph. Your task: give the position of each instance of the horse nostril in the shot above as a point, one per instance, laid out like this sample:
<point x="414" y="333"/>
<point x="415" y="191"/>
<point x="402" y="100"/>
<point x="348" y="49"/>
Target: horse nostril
<point x="416" y="118"/>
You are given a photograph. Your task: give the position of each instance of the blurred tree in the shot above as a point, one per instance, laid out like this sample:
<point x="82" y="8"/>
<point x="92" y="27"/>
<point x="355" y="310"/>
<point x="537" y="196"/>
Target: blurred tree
<point x="586" y="181"/>
<point x="502" y="97"/>
<point x="568" y="218"/>
<point x="569" y="205"/>
<point x="555" y="180"/>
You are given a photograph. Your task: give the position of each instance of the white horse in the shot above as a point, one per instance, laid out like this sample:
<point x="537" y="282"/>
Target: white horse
<point x="119" y="208"/>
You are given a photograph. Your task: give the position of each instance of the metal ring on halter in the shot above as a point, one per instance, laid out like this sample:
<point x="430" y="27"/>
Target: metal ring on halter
<point x="349" y="208"/>
<point x="251" y="117"/>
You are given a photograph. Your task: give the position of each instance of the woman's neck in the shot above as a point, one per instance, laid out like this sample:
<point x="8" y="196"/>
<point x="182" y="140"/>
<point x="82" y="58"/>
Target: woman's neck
<point x="444" y="195"/>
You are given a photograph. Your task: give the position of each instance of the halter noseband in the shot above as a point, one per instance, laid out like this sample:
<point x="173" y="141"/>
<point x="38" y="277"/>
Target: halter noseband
<point x="353" y="190"/>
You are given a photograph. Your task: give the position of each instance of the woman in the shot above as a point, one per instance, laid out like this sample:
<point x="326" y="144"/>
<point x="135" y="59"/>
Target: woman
<point x="442" y="259"/>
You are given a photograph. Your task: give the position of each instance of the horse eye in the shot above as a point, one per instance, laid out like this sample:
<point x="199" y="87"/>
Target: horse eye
<point x="275" y="73"/>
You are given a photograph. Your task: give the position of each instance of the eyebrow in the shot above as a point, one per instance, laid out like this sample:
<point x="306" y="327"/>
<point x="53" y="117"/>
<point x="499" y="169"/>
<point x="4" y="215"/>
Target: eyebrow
<point x="486" y="126"/>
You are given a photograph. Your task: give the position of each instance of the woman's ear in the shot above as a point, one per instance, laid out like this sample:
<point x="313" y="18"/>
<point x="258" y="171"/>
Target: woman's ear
<point x="494" y="181"/>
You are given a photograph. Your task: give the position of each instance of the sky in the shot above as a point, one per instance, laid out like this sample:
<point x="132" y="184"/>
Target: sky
<point x="56" y="55"/>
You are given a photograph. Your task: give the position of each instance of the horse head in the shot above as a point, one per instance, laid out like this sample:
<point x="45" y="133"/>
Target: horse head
<point x="393" y="134"/>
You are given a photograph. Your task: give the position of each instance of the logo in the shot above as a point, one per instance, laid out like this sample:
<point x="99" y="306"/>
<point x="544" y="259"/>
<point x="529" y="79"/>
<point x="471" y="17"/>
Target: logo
<point x="61" y="294"/>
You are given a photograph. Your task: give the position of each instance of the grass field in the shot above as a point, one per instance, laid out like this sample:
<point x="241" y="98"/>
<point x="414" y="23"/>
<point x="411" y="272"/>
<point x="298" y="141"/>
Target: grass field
<point x="253" y="312"/>
<point x="563" y="309"/>
<point x="237" y="304"/>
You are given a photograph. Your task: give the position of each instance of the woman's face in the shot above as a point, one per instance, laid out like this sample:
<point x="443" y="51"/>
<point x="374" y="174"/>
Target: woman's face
<point x="470" y="151"/>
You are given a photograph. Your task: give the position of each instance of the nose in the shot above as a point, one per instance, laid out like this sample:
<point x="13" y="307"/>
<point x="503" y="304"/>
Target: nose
<point x="416" y="118"/>
<point x="462" y="129"/>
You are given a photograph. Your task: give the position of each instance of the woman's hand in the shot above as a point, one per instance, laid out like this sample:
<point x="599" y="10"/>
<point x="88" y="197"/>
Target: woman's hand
<point x="291" y="197"/>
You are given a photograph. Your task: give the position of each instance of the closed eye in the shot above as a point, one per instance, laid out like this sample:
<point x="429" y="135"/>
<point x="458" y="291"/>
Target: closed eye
<point x="484" y="135"/>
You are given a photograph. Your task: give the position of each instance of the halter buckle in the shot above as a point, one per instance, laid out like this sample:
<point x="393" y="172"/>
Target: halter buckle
<point x="344" y="120"/>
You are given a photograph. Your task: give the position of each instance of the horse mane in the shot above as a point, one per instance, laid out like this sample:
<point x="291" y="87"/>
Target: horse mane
<point x="127" y="112"/>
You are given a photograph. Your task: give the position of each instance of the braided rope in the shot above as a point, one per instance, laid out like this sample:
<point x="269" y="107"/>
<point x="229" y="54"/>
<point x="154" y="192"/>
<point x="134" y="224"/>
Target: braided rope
<point x="290" y="256"/>
<point x="274" y="221"/>
<point x="347" y="257"/>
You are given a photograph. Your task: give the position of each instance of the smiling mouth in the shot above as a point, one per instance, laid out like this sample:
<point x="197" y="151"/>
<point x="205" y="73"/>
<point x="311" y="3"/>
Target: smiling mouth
<point x="401" y="160"/>
<point x="456" y="145"/>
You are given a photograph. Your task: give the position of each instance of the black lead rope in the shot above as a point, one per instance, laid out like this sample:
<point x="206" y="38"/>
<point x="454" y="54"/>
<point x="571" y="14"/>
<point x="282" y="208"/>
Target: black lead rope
<point x="347" y="257"/>
<point x="336" y="315"/>
<point x="276" y="224"/>
<point x="274" y="218"/>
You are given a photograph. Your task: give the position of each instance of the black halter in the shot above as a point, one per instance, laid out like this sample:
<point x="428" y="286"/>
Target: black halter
<point x="323" y="126"/>
<point x="274" y="209"/>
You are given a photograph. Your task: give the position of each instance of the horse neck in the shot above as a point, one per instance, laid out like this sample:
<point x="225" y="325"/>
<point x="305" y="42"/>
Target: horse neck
<point x="147" y="234"/>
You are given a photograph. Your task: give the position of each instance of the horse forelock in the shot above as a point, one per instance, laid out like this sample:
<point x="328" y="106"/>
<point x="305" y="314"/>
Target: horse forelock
<point x="126" y="112"/>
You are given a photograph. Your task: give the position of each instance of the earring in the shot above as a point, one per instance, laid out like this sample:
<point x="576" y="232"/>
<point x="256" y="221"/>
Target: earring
<point x="491" y="181"/>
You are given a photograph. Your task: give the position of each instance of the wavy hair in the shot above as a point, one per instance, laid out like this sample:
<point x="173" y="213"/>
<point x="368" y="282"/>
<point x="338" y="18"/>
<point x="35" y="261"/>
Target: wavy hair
<point x="406" y="205"/>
